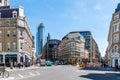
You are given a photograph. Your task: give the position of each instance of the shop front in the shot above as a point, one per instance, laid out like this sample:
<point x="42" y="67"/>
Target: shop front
<point x="8" y="57"/>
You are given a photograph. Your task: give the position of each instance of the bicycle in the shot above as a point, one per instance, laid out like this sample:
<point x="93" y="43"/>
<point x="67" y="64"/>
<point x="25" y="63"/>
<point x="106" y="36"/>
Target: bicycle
<point x="4" y="73"/>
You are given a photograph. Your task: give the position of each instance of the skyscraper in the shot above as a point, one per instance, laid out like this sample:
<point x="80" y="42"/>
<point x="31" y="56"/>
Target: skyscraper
<point x="39" y="39"/>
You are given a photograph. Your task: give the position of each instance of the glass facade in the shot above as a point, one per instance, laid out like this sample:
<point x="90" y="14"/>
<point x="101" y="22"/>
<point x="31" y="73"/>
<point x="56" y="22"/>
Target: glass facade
<point x="86" y="35"/>
<point x="39" y="39"/>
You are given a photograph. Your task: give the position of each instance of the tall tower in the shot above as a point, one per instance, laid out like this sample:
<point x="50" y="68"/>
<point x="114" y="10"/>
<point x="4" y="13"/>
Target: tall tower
<point x="4" y="2"/>
<point x="39" y="39"/>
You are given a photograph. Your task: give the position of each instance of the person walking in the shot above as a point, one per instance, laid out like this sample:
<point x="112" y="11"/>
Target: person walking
<point x="15" y="64"/>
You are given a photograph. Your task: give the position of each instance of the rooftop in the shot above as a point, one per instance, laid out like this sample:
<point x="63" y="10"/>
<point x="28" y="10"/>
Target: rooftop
<point x="118" y="8"/>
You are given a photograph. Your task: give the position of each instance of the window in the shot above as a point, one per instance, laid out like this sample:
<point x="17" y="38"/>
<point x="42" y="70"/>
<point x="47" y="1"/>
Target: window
<point x="14" y="46"/>
<point x="116" y="17"/>
<point x="7" y="23"/>
<point x="0" y="46"/>
<point x="115" y="38"/>
<point x="0" y="14"/>
<point x="21" y="45"/>
<point x="14" y="14"/>
<point x="115" y="28"/>
<point x="0" y="23"/>
<point x="8" y="34"/>
<point x="21" y="33"/>
<point x="14" y="23"/>
<point x="14" y="33"/>
<point x="8" y="46"/>
<point x="115" y="48"/>
<point x="0" y="34"/>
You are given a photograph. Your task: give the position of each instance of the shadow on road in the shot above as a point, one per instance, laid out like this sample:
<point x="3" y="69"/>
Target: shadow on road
<point x="100" y="76"/>
<point x="99" y="69"/>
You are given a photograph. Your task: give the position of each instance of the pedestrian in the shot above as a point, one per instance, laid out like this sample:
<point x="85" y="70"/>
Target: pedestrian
<point x="24" y="65"/>
<point x="15" y="64"/>
<point x="19" y="65"/>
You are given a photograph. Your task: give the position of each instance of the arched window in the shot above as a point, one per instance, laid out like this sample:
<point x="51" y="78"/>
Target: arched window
<point x="14" y="23"/>
<point x="8" y="33"/>
<point x="14" y="13"/>
<point x="7" y="23"/>
<point x="115" y="48"/>
<point x="14" y="46"/>
<point x="21" y="32"/>
<point x="8" y="46"/>
<point x="14" y="33"/>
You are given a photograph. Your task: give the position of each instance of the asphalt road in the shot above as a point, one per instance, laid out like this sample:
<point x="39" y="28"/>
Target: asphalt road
<point x="65" y="72"/>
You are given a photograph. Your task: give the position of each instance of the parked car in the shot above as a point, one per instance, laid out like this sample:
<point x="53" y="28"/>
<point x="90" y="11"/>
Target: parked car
<point x="49" y="63"/>
<point x="42" y="62"/>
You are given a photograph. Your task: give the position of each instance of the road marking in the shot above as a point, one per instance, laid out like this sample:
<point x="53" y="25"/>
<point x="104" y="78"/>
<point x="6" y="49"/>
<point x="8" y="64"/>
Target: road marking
<point x="80" y="71"/>
<point x="21" y="75"/>
<point x="37" y="72"/>
<point x="31" y="74"/>
<point x="10" y="78"/>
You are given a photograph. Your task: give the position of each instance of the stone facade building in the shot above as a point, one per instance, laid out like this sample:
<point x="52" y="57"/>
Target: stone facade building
<point x="90" y="45"/>
<point x="16" y="40"/>
<point x="113" y="49"/>
<point x="71" y="48"/>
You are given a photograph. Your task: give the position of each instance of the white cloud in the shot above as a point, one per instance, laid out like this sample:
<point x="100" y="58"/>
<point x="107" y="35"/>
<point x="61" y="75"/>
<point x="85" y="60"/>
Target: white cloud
<point x="98" y="7"/>
<point x="80" y="4"/>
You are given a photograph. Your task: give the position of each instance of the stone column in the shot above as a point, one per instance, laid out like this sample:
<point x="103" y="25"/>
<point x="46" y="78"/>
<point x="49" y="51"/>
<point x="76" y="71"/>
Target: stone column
<point x="119" y="62"/>
<point x="24" y="58"/>
<point x="3" y="58"/>
<point x="18" y="58"/>
<point x="113" y="62"/>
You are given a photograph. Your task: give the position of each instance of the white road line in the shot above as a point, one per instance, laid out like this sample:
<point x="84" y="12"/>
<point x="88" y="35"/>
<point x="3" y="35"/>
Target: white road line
<point x="10" y="78"/>
<point x="31" y="74"/>
<point x="21" y="75"/>
<point x="37" y="73"/>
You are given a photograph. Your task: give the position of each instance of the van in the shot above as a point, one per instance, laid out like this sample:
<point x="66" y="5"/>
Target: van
<point x="42" y="62"/>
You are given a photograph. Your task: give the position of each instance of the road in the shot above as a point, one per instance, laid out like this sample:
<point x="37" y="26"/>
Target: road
<point x="65" y="72"/>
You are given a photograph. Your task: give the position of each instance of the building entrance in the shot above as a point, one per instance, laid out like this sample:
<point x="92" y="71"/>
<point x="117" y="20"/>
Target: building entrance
<point x="10" y="58"/>
<point x="116" y="63"/>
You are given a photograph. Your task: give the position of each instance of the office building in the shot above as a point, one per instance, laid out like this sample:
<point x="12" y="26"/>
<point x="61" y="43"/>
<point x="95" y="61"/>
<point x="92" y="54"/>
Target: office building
<point x="71" y="48"/>
<point x="39" y="39"/>
<point x="90" y="45"/>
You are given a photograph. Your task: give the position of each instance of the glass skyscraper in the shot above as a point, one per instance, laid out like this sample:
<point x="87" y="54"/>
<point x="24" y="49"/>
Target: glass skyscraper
<point x="39" y="39"/>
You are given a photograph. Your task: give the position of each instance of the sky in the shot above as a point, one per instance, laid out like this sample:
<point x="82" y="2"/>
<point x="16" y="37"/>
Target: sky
<point x="63" y="16"/>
